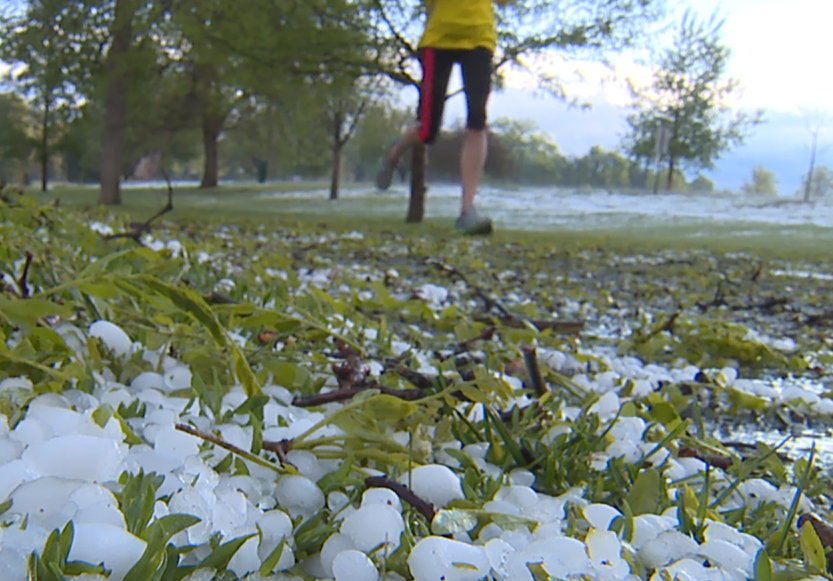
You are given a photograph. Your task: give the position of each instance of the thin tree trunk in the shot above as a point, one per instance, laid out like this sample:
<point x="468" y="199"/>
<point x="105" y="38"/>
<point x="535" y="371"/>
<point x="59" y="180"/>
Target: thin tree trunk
<point x="336" y="175"/>
<point x="416" y="208"/>
<point x="337" y="147"/>
<point x="44" y="154"/>
<point x="809" y="185"/>
<point x="115" y="113"/>
<point x="670" y="171"/>
<point x="211" y="125"/>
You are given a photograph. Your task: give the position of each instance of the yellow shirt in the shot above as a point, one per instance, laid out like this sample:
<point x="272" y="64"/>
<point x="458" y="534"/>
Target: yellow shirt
<point x="460" y="24"/>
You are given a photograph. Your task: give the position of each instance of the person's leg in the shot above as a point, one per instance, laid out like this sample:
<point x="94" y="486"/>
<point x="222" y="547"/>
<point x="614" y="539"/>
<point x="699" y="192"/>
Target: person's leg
<point x="436" y="72"/>
<point x="477" y="80"/>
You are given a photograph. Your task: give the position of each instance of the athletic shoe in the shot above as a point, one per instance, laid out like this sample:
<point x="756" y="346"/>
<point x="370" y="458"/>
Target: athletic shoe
<point x="385" y="175"/>
<point x="471" y="224"/>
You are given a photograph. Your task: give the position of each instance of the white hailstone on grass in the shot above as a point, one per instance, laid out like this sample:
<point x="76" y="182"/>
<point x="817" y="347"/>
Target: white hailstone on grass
<point x="118" y="549"/>
<point x="236" y="435"/>
<point x="606" y="407"/>
<point x="178" y="377"/>
<point x="112" y="336"/>
<point x="727" y="375"/>
<point x="307" y="464"/>
<point x="101" y="228"/>
<point x="337" y="500"/>
<point x="197" y="501"/>
<point x="520" y="496"/>
<point x="667" y="547"/>
<point x="560" y="557"/>
<point x="332" y="547"/>
<point x="176" y="248"/>
<point x="16" y="547"/>
<point x="435" y="483"/>
<point x="300" y="495"/>
<point x="647" y="527"/>
<point x="374" y="525"/>
<point x="230" y="511"/>
<point x="82" y="457"/>
<point x="9" y="450"/>
<point x="381" y="496"/>
<point x="692" y="570"/>
<point x="354" y="566"/>
<point x="605" y="551"/>
<point x="399" y="347"/>
<point x="601" y="516"/>
<point x="277" y="529"/>
<point x="440" y="559"/>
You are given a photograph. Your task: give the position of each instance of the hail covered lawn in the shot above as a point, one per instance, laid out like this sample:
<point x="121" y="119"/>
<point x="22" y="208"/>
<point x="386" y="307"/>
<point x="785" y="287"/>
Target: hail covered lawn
<point x="261" y="401"/>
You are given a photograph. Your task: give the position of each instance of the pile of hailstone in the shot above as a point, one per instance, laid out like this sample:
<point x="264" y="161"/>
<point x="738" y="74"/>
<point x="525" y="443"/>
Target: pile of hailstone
<point x="58" y="465"/>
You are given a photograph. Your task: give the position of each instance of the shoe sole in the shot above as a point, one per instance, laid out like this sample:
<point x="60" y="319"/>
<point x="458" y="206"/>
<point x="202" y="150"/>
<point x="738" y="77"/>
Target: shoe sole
<point x="385" y="177"/>
<point x="480" y="230"/>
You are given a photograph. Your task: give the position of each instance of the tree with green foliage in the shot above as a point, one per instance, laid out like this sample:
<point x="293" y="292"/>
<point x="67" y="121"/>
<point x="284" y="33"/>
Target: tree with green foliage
<point x="820" y="185"/>
<point x="529" y="33"/>
<point x="764" y="182"/>
<point x="690" y="96"/>
<point x="382" y="121"/>
<point x="46" y="66"/>
<point x="815" y="124"/>
<point x="702" y="184"/>
<point x="15" y="144"/>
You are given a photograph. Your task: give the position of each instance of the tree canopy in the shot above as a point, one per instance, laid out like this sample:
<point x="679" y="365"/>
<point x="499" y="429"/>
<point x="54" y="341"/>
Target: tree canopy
<point x="691" y="96"/>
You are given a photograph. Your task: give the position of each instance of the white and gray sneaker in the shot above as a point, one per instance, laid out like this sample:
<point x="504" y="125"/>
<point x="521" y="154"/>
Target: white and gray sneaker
<point x="470" y="223"/>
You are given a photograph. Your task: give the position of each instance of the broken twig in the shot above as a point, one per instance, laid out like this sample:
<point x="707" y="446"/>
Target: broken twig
<point x="424" y="507"/>
<point x="22" y="282"/>
<point x="139" y="228"/>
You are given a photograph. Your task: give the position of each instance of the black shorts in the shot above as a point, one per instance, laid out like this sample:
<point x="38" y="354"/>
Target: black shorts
<point x="476" y="65"/>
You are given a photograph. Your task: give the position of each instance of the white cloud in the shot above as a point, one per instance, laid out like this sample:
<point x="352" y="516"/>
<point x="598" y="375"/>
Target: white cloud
<point x="776" y="50"/>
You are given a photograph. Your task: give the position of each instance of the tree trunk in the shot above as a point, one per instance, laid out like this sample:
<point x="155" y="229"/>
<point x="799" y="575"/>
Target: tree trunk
<point x="336" y="176"/>
<point x="44" y="154"/>
<point x="809" y="185"/>
<point x="338" y="145"/>
<point x="416" y="208"/>
<point x="211" y="125"/>
<point x="115" y="112"/>
<point x="670" y="171"/>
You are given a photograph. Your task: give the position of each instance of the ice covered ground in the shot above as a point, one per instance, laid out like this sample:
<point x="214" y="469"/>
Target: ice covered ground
<point x="546" y="208"/>
<point x="530" y="208"/>
<point x="66" y="459"/>
<point x="62" y="463"/>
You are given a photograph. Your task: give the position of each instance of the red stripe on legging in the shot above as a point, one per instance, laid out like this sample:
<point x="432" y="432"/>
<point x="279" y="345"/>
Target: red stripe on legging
<point x="428" y="65"/>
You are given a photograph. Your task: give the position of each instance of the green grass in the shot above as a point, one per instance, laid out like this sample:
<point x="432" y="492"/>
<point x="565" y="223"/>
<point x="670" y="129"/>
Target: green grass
<point x="387" y="212"/>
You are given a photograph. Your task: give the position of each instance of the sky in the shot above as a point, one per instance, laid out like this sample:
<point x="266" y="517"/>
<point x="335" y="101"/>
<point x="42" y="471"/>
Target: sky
<point x="776" y="50"/>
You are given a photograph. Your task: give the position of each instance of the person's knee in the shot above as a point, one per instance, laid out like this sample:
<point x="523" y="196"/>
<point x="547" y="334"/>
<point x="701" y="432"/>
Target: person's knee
<point x="477" y="119"/>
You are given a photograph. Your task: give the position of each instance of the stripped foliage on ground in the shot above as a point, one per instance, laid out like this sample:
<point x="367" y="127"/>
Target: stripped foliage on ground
<point x="519" y="400"/>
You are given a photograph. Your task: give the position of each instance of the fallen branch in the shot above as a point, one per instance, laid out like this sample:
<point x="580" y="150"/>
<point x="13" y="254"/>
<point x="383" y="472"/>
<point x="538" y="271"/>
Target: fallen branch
<point x="535" y="377"/>
<point x="212" y="298"/>
<point x="22" y="282"/>
<point x="281" y="449"/>
<point x="354" y="372"/>
<point x="346" y="393"/>
<point x="746" y="446"/>
<point x="139" y="228"/>
<point x="719" y="461"/>
<point x="424" y="507"/>
<point x="219" y="299"/>
<point x="468" y="343"/>
<point x="519" y="323"/>
<point x="230" y="447"/>
<point x="447" y="268"/>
